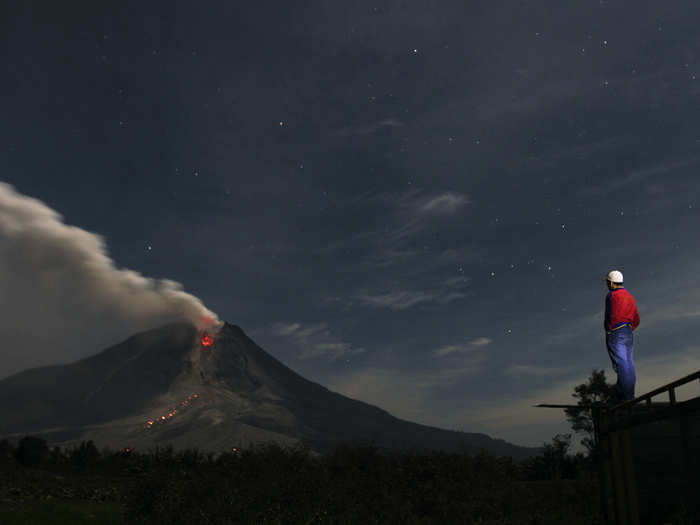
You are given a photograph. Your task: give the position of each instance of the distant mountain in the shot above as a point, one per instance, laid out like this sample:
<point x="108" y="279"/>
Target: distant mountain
<point x="164" y="386"/>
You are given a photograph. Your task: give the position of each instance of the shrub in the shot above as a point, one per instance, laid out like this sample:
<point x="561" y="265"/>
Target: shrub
<point x="84" y="455"/>
<point x="6" y="451"/>
<point x="31" y="451"/>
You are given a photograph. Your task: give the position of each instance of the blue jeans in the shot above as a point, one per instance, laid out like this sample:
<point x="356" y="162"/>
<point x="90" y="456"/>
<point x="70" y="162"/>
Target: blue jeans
<point x="620" y="345"/>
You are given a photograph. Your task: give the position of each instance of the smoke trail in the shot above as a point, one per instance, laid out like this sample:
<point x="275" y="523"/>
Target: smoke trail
<point x="62" y="297"/>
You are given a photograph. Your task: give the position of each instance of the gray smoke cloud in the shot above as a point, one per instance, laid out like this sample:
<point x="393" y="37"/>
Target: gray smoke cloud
<point x="62" y="297"/>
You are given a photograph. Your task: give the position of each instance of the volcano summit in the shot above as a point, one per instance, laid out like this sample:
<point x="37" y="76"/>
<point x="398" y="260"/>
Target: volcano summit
<point x="175" y="385"/>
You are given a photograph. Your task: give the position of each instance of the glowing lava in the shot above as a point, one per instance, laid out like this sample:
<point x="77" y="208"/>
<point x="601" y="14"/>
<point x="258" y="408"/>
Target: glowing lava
<point x="207" y="340"/>
<point x="172" y="412"/>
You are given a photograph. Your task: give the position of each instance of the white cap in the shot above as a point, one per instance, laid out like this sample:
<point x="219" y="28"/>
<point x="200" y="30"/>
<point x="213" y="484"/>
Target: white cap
<point x="615" y="276"/>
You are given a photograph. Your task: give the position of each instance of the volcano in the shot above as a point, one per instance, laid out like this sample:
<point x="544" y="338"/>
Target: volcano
<point x="172" y="386"/>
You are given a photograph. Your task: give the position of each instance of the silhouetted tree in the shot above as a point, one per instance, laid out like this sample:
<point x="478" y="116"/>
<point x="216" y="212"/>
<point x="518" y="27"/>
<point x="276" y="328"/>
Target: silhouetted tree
<point x="554" y="462"/>
<point x="56" y="455"/>
<point x="31" y="451"/>
<point x="554" y="455"/>
<point x="596" y="391"/>
<point x="84" y="455"/>
<point x="6" y="450"/>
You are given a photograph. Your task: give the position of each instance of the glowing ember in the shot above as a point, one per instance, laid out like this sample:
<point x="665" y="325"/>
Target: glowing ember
<point x="171" y="413"/>
<point x="207" y="340"/>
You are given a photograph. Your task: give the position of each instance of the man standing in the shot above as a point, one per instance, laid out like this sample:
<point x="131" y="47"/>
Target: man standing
<point x="621" y="319"/>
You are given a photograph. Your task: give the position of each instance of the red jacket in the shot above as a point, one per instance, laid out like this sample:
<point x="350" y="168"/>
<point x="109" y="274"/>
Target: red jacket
<point x="620" y="308"/>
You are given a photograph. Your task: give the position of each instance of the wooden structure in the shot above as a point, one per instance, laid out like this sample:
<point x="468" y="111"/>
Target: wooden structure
<point x="648" y="457"/>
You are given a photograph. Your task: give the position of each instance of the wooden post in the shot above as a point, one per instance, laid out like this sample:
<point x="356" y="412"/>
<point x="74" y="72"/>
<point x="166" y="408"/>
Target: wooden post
<point x="630" y="479"/>
<point x="607" y="497"/>
<point x="619" y="480"/>
<point x="600" y="463"/>
<point x="688" y="466"/>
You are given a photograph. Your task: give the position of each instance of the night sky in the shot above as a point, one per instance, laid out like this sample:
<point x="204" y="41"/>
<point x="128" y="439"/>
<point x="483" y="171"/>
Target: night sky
<point x="411" y="203"/>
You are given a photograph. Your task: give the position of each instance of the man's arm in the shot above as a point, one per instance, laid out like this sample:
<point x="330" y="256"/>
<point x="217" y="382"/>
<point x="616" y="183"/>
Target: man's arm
<point x="606" y="318"/>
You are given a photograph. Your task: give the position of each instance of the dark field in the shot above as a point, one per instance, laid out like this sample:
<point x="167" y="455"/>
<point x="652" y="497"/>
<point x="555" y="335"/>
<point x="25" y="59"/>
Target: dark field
<point x="269" y="484"/>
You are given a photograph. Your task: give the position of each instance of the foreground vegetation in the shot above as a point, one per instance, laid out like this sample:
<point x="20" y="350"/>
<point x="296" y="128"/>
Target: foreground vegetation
<point x="270" y="484"/>
<point x="358" y="484"/>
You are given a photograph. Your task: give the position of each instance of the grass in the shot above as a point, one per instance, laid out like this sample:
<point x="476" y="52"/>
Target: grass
<point x="354" y="484"/>
<point x="62" y="512"/>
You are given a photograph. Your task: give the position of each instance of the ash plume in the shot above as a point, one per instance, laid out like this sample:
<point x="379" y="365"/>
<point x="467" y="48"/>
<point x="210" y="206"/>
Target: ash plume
<point x="63" y="296"/>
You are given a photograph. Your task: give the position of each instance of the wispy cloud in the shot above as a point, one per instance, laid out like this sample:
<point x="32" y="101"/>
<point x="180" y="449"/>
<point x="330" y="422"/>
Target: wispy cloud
<point x="537" y="371"/>
<point x="366" y="129"/>
<point x="403" y="393"/>
<point x="445" y="292"/>
<point x="315" y="341"/>
<point x="637" y="176"/>
<point x="409" y="214"/>
<point x="446" y="203"/>
<point x="396" y="300"/>
<point x="551" y="159"/>
<point x="412" y="214"/>
<point x="508" y="416"/>
<point x="462" y="348"/>
<point x="405" y="215"/>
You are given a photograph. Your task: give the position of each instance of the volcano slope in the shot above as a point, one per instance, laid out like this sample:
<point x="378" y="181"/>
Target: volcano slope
<point x="163" y="387"/>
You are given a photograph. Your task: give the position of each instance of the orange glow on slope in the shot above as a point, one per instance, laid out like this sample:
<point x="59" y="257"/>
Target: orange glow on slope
<point x="207" y="340"/>
<point x="171" y="413"/>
